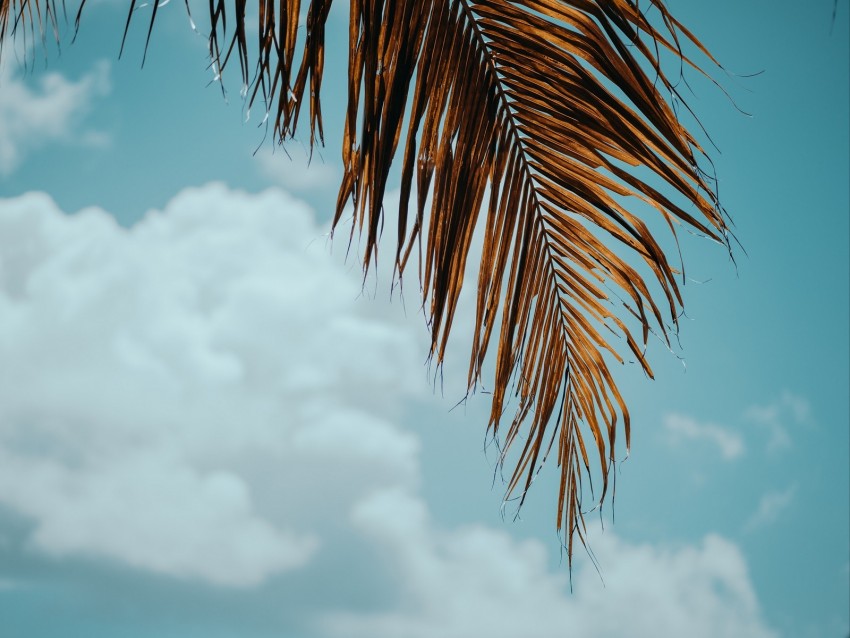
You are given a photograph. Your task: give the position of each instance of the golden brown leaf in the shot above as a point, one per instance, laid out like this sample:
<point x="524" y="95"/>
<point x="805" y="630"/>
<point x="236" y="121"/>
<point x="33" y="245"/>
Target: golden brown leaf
<point x="524" y="118"/>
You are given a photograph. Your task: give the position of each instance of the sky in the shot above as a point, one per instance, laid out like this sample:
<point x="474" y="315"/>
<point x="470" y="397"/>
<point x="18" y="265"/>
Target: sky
<point x="210" y="427"/>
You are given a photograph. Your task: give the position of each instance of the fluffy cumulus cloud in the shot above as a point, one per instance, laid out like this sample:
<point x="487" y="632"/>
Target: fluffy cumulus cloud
<point x="50" y="110"/>
<point x="680" y="427"/>
<point x="476" y="581"/>
<point x="148" y="373"/>
<point x="206" y="396"/>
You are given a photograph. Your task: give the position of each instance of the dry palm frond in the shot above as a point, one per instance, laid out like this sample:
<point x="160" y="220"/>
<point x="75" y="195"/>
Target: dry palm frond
<point x="545" y="104"/>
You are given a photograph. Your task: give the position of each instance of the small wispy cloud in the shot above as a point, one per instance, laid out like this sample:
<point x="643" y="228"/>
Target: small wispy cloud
<point x="774" y="418"/>
<point x="296" y="171"/>
<point x="32" y="115"/>
<point x="7" y="584"/>
<point x="729" y="443"/>
<point x="769" y="508"/>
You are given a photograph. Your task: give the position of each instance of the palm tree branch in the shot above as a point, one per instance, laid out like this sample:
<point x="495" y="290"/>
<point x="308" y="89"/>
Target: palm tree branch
<point x="524" y="120"/>
<point x="514" y="97"/>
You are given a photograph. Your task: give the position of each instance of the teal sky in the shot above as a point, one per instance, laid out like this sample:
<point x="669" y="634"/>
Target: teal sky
<point x="205" y="428"/>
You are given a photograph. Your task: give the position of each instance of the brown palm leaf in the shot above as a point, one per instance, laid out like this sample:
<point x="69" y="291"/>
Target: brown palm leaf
<point x="525" y="118"/>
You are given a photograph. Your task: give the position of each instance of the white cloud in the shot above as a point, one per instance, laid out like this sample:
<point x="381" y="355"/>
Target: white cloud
<point x="153" y="514"/>
<point x="31" y="117"/>
<point x="775" y="417"/>
<point x="729" y="443"/>
<point x="770" y="507"/>
<point x="474" y="581"/>
<point x="293" y="169"/>
<point x="149" y="372"/>
<point x="203" y="396"/>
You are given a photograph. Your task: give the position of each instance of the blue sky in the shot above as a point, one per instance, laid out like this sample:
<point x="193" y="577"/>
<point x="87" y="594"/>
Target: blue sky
<point x="207" y="429"/>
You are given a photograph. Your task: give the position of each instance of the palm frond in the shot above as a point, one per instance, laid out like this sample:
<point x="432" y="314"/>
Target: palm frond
<point x="525" y="118"/>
